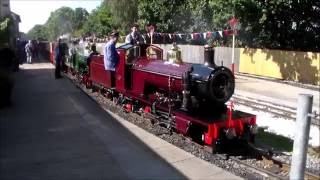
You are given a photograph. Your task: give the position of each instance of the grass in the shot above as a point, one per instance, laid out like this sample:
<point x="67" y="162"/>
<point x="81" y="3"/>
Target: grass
<point x="277" y="142"/>
<point x="280" y="143"/>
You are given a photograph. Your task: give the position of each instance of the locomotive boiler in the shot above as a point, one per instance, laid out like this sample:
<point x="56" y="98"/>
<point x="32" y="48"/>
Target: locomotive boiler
<point x="193" y="86"/>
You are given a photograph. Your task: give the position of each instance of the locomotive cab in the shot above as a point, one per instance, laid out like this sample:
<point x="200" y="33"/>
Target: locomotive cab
<point x="129" y="54"/>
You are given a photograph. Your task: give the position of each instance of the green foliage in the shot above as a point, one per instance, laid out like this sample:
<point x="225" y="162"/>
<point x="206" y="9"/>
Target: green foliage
<point x="4" y="24"/>
<point x="4" y="31"/>
<point x="201" y="15"/>
<point x="222" y="12"/>
<point x="62" y="21"/>
<point x="80" y="17"/>
<point x="278" y="24"/>
<point x="168" y="15"/>
<point x="124" y="12"/>
<point x="99" y="22"/>
<point x="38" y="32"/>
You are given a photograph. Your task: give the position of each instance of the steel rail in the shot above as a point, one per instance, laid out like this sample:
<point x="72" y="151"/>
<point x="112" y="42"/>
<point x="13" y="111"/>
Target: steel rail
<point x="281" y="112"/>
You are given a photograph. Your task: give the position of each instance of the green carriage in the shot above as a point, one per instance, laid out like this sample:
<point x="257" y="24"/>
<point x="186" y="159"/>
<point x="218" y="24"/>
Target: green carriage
<point x="79" y="60"/>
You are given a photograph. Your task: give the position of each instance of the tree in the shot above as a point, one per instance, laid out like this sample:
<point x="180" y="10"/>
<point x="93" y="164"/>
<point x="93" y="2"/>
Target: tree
<point x="60" y="22"/>
<point x="38" y="32"/>
<point x="280" y="24"/>
<point x="168" y="15"/>
<point x="201" y="15"/>
<point x="124" y="13"/>
<point x="80" y="17"/>
<point x="99" y="22"/>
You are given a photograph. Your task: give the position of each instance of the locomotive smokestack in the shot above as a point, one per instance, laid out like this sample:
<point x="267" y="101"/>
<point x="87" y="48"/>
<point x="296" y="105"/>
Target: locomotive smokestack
<point x="209" y="56"/>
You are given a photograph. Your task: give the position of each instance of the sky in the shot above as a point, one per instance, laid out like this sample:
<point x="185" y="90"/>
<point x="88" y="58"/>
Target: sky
<point x="34" y="12"/>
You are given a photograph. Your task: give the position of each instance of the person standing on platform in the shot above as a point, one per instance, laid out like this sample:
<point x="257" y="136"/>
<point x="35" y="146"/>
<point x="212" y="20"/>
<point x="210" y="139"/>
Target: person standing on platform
<point x="58" y="58"/>
<point x="29" y="51"/>
<point x="111" y="56"/>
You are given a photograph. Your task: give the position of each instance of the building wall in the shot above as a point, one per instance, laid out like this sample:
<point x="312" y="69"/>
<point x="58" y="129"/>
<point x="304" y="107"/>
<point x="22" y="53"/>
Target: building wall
<point x="189" y="53"/>
<point x="288" y="65"/>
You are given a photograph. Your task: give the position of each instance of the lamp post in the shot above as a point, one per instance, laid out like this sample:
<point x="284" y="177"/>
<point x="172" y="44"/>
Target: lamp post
<point x="233" y="23"/>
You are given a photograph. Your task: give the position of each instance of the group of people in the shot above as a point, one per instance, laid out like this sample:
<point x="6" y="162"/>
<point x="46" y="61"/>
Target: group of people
<point x="111" y="56"/>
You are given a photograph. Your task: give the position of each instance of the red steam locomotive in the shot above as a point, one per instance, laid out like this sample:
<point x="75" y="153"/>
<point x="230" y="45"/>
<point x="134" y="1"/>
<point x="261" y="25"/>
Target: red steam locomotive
<point x="188" y="98"/>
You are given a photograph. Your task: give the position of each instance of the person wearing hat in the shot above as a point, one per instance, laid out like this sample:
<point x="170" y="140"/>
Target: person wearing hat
<point x="134" y="37"/>
<point x="111" y="56"/>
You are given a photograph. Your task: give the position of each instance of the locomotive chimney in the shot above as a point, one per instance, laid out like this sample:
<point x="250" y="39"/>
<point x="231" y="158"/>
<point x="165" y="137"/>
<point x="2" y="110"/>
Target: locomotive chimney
<point x="209" y="56"/>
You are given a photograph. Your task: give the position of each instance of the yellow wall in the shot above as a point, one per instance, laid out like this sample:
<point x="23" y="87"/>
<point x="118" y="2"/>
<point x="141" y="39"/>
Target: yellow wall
<point x="289" y="65"/>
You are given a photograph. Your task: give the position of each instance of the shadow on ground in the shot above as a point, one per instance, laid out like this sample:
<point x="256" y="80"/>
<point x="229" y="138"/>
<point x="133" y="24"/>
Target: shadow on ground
<point x="54" y="131"/>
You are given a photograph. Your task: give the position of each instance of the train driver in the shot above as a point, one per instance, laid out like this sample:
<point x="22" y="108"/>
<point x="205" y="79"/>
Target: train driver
<point x="111" y="56"/>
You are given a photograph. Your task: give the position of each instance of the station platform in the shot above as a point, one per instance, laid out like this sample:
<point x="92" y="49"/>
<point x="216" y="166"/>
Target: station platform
<point x="275" y="91"/>
<point x="54" y="131"/>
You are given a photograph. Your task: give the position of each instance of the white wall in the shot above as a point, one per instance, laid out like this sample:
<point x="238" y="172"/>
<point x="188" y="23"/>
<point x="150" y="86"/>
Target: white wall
<point x="195" y="54"/>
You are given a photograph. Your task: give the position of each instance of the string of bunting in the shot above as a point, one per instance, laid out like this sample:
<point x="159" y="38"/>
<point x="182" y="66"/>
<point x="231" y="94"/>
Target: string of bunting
<point x="178" y="36"/>
<point x="197" y="36"/>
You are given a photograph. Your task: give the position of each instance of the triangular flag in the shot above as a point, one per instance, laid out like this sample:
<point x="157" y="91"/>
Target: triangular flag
<point x="220" y="33"/>
<point x="204" y="35"/>
<point x="208" y="35"/>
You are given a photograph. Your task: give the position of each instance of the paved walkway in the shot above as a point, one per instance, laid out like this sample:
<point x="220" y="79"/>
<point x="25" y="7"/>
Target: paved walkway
<point x="54" y="131"/>
<point x="274" y="92"/>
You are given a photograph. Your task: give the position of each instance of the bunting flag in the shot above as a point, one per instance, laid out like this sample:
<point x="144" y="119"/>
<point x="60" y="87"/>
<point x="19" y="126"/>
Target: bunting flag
<point x="186" y="36"/>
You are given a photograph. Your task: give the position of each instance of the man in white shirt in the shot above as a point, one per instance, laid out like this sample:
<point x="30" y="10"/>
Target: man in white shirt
<point x="134" y="37"/>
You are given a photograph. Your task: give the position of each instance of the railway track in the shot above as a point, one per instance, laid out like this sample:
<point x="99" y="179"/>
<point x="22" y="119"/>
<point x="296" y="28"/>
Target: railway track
<point x="263" y="162"/>
<point x="275" y="169"/>
<point x="266" y="167"/>
<point x="280" y="111"/>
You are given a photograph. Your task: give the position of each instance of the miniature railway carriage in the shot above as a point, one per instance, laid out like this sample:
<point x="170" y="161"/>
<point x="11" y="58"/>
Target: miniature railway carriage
<point x="80" y="61"/>
<point x="185" y="97"/>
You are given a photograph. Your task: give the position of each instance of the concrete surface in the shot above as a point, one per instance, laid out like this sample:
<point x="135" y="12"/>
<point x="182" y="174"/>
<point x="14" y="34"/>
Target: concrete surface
<point x="54" y="131"/>
<point x="278" y="93"/>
